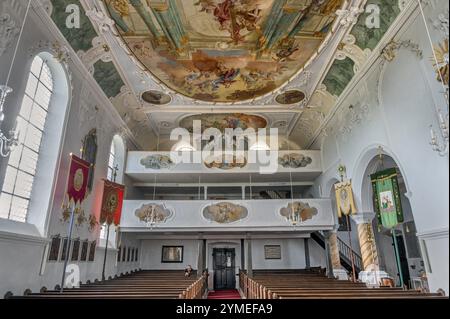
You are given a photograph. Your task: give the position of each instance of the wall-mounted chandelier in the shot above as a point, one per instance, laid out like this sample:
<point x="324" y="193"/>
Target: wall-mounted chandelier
<point x="11" y="139"/>
<point x="439" y="145"/>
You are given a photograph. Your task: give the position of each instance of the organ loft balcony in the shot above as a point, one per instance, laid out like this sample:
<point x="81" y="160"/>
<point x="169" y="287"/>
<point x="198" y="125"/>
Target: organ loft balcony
<point x="217" y="196"/>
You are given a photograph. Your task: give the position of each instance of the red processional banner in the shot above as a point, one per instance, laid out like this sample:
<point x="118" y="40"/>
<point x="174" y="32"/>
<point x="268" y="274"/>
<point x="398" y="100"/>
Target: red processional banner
<point x="78" y="179"/>
<point x="112" y="201"/>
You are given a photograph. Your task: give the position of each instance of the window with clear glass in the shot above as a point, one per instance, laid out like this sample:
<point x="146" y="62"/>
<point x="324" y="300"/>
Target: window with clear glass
<point x="111" y="162"/>
<point x="22" y="163"/>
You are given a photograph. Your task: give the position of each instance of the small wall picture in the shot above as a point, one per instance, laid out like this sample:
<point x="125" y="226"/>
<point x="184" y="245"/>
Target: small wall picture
<point x="64" y="249"/>
<point x="84" y="250"/>
<point x="272" y="252"/>
<point x="75" y="250"/>
<point x="172" y="254"/>
<point x="54" y="248"/>
<point x="92" y="251"/>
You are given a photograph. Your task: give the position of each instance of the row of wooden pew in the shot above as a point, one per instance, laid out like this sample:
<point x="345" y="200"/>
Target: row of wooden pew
<point x="139" y="285"/>
<point x="313" y="284"/>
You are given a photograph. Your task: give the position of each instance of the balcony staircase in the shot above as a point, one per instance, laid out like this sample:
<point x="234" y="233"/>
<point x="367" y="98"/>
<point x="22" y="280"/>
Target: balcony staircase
<point x="345" y="253"/>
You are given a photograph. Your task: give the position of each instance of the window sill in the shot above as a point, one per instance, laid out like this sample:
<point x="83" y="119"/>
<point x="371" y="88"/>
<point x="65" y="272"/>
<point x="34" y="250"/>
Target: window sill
<point x="23" y="232"/>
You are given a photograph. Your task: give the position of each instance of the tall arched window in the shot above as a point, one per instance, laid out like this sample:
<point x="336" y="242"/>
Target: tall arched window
<point x="116" y="163"/>
<point x="19" y="177"/>
<point x="112" y="162"/>
<point x="41" y="121"/>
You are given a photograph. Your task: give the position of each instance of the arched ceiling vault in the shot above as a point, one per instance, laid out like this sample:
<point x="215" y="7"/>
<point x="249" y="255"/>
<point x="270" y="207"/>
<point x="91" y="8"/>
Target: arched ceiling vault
<point x="287" y="61"/>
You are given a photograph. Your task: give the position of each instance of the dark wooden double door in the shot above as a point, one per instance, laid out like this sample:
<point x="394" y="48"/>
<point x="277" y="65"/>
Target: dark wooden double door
<point x="224" y="268"/>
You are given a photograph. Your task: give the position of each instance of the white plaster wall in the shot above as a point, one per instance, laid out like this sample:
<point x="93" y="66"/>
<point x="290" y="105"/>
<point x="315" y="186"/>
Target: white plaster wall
<point x="23" y="247"/>
<point x="151" y="253"/>
<point x="401" y="111"/>
<point x="292" y="254"/>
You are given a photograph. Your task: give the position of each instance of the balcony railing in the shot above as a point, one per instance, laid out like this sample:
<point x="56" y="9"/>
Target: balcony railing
<point x="235" y="215"/>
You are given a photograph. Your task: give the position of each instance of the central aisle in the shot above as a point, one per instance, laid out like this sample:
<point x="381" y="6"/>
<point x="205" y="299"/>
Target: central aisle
<point x="224" y="294"/>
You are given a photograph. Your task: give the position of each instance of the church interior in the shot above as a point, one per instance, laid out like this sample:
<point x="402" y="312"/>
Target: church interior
<point x="224" y="149"/>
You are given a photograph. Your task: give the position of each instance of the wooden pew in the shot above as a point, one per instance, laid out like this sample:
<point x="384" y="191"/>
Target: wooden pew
<point x="140" y="285"/>
<point x="313" y="284"/>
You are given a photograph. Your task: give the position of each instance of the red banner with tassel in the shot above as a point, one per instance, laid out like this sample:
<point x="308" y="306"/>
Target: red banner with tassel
<point x="78" y="179"/>
<point x="112" y="201"/>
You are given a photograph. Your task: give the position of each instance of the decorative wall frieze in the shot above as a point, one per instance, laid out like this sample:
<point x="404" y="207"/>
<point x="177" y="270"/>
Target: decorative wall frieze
<point x="59" y="51"/>
<point x="389" y="53"/>
<point x="349" y="49"/>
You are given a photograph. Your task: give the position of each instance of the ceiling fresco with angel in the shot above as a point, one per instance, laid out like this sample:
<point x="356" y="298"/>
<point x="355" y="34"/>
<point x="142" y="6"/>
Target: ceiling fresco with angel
<point x="223" y="51"/>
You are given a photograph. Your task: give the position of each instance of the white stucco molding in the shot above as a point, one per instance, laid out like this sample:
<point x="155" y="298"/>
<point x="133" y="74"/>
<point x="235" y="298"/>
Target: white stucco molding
<point x="358" y="173"/>
<point x="363" y="217"/>
<point x="398" y="28"/>
<point x="440" y="233"/>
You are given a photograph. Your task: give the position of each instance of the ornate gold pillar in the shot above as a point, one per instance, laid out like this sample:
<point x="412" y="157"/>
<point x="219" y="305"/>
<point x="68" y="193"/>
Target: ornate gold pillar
<point x="371" y="274"/>
<point x="367" y="243"/>
<point x="338" y="271"/>
<point x="334" y="251"/>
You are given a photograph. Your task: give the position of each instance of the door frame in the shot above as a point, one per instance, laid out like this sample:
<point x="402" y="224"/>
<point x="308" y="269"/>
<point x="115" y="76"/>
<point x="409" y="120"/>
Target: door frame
<point x="222" y="244"/>
<point x="233" y="268"/>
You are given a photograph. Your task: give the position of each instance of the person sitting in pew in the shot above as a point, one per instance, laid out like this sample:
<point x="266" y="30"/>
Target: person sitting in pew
<point x="188" y="271"/>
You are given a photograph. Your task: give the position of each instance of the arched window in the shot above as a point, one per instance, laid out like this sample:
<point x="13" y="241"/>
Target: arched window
<point x="41" y="122"/>
<point x="22" y="164"/>
<point x="112" y="162"/>
<point x="116" y="163"/>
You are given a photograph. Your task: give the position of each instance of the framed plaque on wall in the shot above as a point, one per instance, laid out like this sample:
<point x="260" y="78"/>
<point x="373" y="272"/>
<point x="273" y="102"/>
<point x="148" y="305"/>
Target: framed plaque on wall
<point x="272" y="252"/>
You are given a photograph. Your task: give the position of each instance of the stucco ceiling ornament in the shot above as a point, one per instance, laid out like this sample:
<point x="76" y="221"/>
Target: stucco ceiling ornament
<point x="8" y="31"/>
<point x="441" y="23"/>
<point x="99" y="51"/>
<point x="349" y="17"/>
<point x="390" y="51"/>
<point x="354" y="117"/>
<point x="348" y="48"/>
<point x="103" y="22"/>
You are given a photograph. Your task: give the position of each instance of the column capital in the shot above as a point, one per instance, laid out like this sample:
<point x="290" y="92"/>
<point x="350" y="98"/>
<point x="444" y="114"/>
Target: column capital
<point x="363" y="217"/>
<point x="327" y="234"/>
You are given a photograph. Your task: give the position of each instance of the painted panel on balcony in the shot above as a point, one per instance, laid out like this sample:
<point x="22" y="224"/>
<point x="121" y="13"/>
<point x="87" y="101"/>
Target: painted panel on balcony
<point x="225" y="213"/>
<point x="250" y="215"/>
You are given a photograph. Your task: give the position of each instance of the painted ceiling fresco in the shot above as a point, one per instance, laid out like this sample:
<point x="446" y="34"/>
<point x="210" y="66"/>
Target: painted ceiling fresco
<point x="223" y="50"/>
<point x="223" y="121"/>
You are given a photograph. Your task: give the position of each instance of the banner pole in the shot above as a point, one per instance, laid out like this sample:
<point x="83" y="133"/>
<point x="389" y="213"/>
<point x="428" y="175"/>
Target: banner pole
<point x="351" y="248"/>
<point x="397" y="257"/>
<point x="66" y="257"/>
<point x="106" y="252"/>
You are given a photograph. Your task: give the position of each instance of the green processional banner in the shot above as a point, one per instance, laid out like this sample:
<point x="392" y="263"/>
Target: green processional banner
<point x="387" y="198"/>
